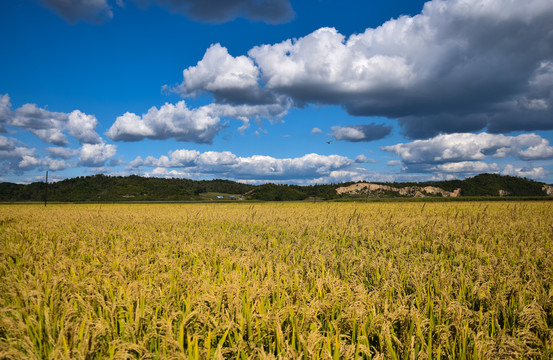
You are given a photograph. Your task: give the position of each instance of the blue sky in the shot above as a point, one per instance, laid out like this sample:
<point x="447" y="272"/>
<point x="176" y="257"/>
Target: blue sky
<point x="314" y="91"/>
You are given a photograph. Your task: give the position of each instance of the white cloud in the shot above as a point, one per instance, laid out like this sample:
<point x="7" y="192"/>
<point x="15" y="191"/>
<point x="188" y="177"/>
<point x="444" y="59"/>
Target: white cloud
<point x="533" y="173"/>
<point x="6" y="144"/>
<point x="32" y="162"/>
<point x="475" y="167"/>
<point x="214" y="158"/>
<point x="316" y="130"/>
<point x="469" y="154"/>
<point x="199" y="125"/>
<point x="10" y="158"/>
<point x="339" y="176"/>
<point x="137" y="162"/>
<point x="28" y="162"/>
<point x="57" y="165"/>
<point x="163" y="172"/>
<point x="363" y="159"/>
<point x="183" y="157"/>
<point x="130" y="127"/>
<point x="95" y="155"/>
<point x="19" y="159"/>
<point x="348" y="133"/>
<point x="326" y="65"/>
<point x="61" y="152"/>
<point x="177" y="158"/>
<point x="257" y="167"/>
<point x="369" y="132"/>
<point x="47" y="125"/>
<point x="272" y="112"/>
<point x="169" y="121"/>
<point x="83" y="127"/>
<point x="220" y="73"/>
<point x="540" y="151"/>
<point x="470" y="147"/>
<point x="452" y="68"/>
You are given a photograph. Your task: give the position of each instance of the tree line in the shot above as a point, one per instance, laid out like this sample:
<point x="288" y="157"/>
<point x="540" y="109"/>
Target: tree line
<point x="104" y="188"/>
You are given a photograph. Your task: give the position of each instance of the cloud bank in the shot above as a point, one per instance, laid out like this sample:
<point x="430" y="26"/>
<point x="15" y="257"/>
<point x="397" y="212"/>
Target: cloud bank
<point x="459" y="66"/>
<point x="192" y="163"/>
<point x="461" y="147"/>
<point x="213" y="11"/>
<point x="467" y="152"/>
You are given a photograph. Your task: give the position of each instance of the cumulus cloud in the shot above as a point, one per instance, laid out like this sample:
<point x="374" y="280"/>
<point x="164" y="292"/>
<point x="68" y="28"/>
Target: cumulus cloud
<point x="456" y="67"/>
<point x="169" y="121"/>
<point x="316" y="130"/>
<point x="468" y="154"/>
<point x="32" y="162"/>
<point x="95" y="155"/>
<point x="176" y="159"/>
<point x="29" y="161"/>
<point x="47" y="125"/>
<point x="471" y="147"/>
<point x="540" y="151"/>
<point x="360" y="159"/>
<point x="17" y="159"/>
<point x="475" y="167"/>
<point x="164" y="172"/>
<point x="257" y="167"/>
<point x="7" y="144"/>
<point x="272" y="112"/>
<point x="11" y="156"/>
<point x="533" y="173"/>
<point x="199" y="125"/>
<point x="83" y="127"/>
<point x="136" y="163"/>
<point x="95" y="11"/>
<point x="61" y="152"/>
<point x="229" y="79"/>
<point x="357" y="133"/>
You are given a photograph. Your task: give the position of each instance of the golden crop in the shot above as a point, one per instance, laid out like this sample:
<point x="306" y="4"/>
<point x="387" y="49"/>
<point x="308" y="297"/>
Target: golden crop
<point x="287" y="280"/>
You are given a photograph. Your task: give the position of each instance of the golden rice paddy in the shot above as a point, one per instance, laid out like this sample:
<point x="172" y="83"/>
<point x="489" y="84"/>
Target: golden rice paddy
<point x="463" y="280"/>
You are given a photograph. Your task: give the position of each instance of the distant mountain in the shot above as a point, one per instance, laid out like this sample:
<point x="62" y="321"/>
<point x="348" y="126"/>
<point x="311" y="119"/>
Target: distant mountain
<point x="135" y="188"/>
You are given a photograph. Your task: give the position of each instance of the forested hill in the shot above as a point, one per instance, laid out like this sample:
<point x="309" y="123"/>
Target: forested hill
<point x="135" y="188"/>
<point x="116" y="188"/>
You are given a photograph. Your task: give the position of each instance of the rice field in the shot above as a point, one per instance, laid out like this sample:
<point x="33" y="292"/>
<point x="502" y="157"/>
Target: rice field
<point x="462" y="280"/>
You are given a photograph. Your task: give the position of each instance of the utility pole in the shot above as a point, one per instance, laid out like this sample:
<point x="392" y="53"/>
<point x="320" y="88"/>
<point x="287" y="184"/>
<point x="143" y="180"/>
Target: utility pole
<point x="46" y="189"/>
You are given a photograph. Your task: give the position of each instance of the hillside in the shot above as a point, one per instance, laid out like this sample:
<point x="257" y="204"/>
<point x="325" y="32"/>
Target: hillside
<point x="135" y="188"/>
<point x="480" y="185"/>
<point x="115" y="188"/>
